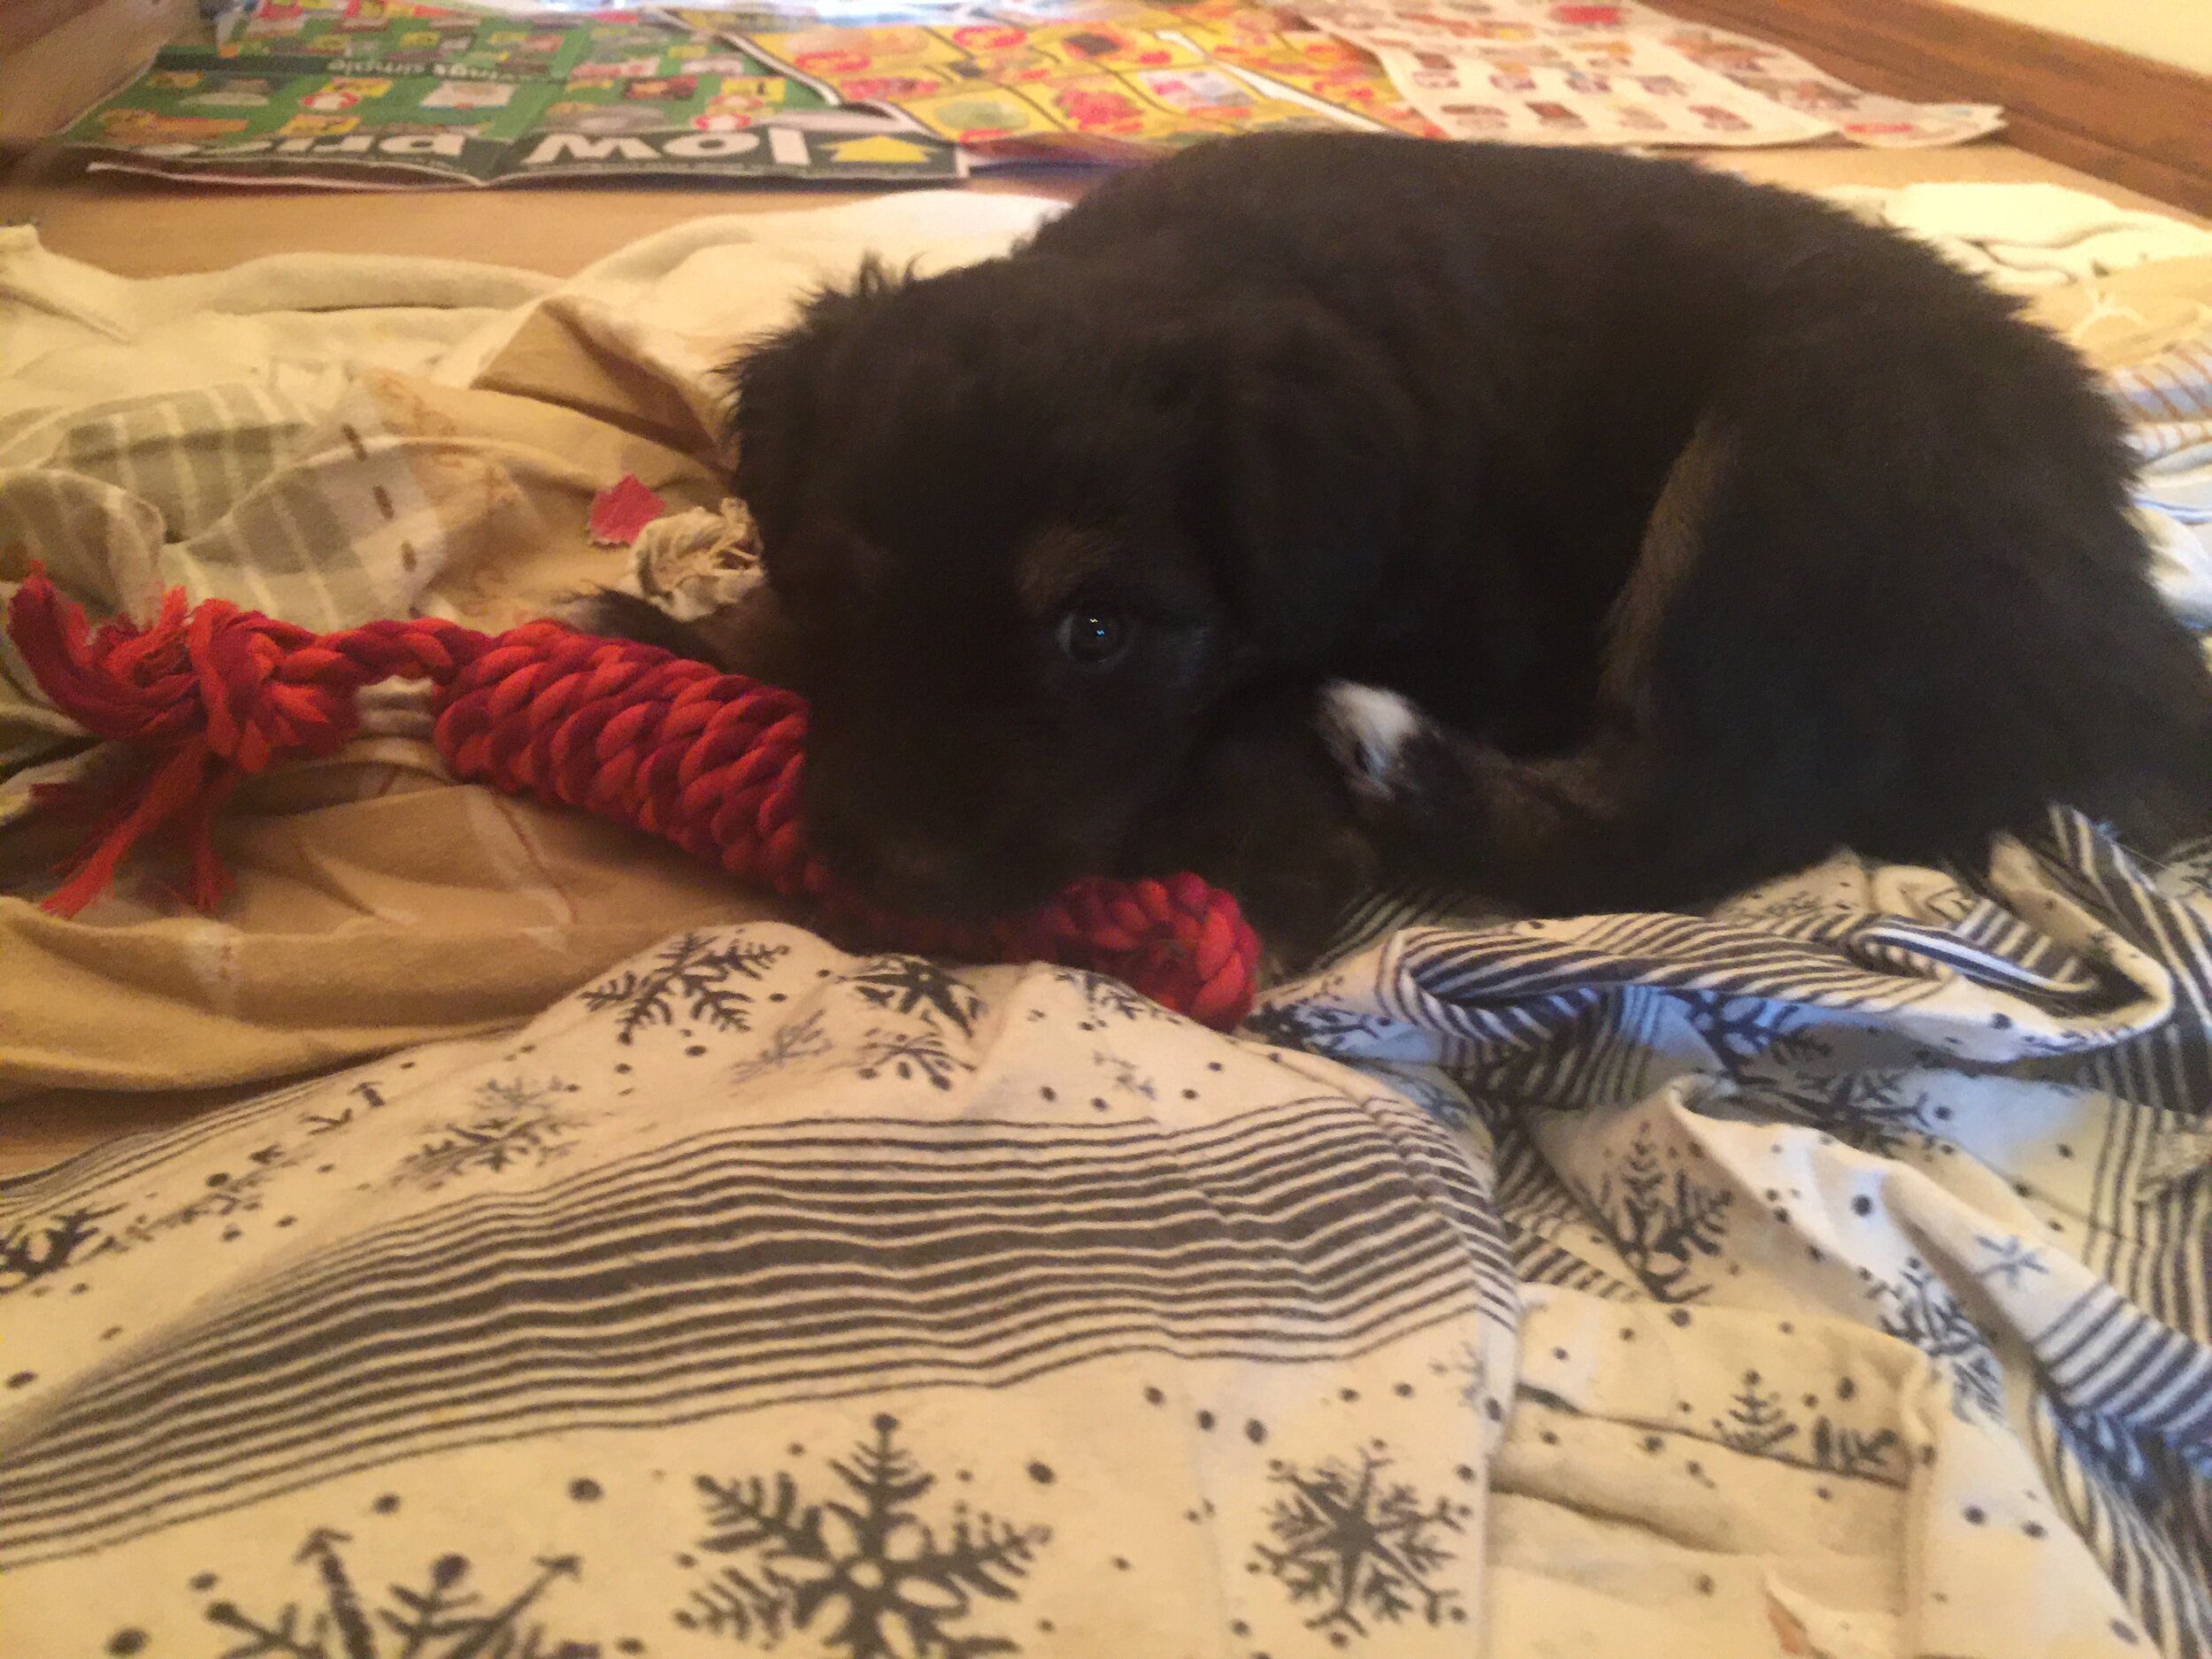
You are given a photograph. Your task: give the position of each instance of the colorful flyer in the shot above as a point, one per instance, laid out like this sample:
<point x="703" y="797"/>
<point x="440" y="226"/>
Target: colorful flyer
<point x="354" y="99"/>
<point x="1864" y="117"/>
<point x="391" y="92"/>
<point x="1608" y="90"/>
<point x="1596" y="72"/>
<point x="1124" y="79"/>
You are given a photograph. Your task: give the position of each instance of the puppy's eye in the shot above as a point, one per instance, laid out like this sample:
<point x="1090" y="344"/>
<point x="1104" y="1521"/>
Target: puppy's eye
<point x="1093" y="638"/>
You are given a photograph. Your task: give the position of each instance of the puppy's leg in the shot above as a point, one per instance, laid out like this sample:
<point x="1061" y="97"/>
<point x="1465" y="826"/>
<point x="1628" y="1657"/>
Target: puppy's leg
<point x="1575" y="832"/>
<point x="1899" y="620"/>
<point x="1566" y="832"/>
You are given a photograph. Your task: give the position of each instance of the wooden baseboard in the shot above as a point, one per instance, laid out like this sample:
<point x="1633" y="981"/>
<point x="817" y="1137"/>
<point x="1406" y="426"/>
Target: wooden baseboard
<point x="2136" y="122"/>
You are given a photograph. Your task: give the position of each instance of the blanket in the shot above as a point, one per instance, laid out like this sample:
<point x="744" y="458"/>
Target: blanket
<point x="1828" y="1276"/>
<point x="1831" y="1274"/>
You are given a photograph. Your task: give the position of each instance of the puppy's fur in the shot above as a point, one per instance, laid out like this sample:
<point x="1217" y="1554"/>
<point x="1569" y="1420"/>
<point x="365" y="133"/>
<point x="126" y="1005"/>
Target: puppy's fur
<point x="1708" y="528"/>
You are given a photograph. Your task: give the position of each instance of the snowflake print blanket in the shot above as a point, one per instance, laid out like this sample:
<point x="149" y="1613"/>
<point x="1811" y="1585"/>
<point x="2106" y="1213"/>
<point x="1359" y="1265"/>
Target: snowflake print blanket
<point x="1827" y="1276"/>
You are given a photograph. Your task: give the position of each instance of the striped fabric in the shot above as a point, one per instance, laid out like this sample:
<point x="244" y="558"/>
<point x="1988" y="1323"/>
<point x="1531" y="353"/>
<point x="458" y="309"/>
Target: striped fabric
<point x="1974" y="1115"/>
<point x="2169" y="402"/>
<point x="1044" y="1285"/>
<point x="1863" y="1221"/>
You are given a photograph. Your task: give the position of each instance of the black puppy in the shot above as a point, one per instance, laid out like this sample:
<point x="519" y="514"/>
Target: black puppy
<point x="1708" y="528"/>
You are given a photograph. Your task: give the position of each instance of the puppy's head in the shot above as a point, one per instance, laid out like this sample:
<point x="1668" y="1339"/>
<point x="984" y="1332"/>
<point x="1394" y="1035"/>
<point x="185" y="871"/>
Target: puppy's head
<point x="1032" y="521"/>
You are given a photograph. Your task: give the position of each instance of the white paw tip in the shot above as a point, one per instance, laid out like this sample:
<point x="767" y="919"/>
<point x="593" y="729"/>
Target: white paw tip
<point x="1367" y="728"/>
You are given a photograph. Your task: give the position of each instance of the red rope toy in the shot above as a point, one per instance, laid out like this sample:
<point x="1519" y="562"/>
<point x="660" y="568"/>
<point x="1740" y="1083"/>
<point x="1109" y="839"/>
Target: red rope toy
<point x="706" y="760"/>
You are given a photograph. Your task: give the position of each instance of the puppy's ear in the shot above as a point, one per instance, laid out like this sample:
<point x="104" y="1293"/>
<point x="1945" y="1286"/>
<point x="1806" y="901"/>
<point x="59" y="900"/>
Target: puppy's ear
<point x="774" y="384"/>
<point x="1308" y="458"/>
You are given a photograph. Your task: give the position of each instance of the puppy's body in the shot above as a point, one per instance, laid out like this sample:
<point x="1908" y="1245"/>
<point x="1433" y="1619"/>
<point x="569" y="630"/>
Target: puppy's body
<point x="1710" y="528"/>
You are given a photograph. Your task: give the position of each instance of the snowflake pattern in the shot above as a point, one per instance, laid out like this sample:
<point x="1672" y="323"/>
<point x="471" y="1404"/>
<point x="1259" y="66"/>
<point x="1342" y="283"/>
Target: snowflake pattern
<point x="908" y="1054"/>
<point x="1865" y="1453"/>
<point x="915" y="985"/>
<point x="39" y="1249"/>
<point x="1765" y="1048"/>
<point x="692" y="978"/>
<point x="1470" y="1373"/>
<point x="1107" y="999"/>
<point x="1662" y="1222"/>
<point x="1757" y="1425"/>
<point x="801" y="1039"/>
<point x="514" y="1122"/>
<point x="1877" y="1111"/>
<point x="224" y="1197"/>
<point x="815" y="1588"/>
<point x="1316" y="1025"/>
<point x="1796" y="912"/>
<point x="2009" y="1258"/>
<point x="1918" y="1309"/>
<point x="1123" y="1075"/>
<point x="1358" y="1548"/>
<point x="865" y="1573"/>
<point x="371" y="1096"/>
<point x="444" y="1618"/>
<point x="1745" y="1031"/>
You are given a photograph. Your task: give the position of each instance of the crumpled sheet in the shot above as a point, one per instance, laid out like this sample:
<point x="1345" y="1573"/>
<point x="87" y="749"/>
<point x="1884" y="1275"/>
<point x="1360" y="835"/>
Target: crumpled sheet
<point x="2029" y="236"/>
<point x="333" y="438"/>
<point x="1829" y="1276"/>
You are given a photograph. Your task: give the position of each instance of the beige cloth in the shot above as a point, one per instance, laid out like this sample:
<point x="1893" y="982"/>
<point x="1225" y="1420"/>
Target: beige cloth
<point x="2028" y="237"/>
<point x="333" y="440"/>
<point x="1826" y="1277"/>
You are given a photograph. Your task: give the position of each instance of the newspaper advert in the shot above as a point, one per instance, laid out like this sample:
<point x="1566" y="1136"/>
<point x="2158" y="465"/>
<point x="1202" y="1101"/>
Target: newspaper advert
<point x="381" y="93"/>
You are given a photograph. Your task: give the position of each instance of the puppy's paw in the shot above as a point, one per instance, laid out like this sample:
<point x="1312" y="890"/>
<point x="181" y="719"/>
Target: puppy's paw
<point x="1368" y="731"/>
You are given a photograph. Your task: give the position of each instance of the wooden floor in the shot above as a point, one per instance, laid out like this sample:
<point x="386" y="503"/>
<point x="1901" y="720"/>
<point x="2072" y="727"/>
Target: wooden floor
<point x="2145" y="123"/>
<point x="138" y="227"/>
